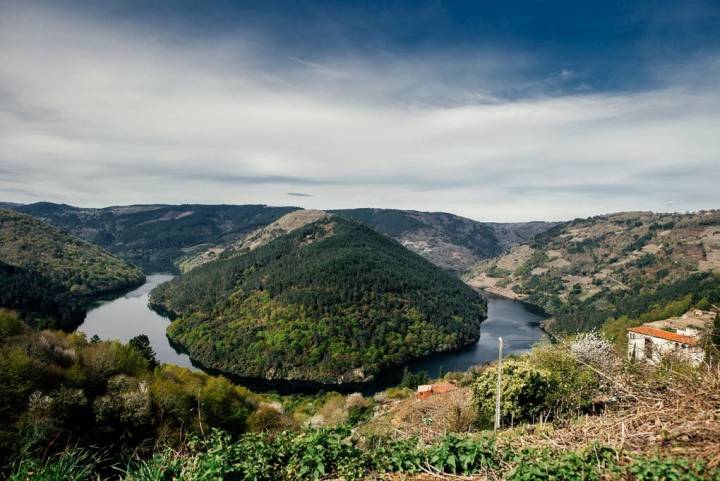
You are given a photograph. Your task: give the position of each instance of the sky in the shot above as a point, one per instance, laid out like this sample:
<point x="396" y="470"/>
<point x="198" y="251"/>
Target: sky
<point x="497" y="111"/>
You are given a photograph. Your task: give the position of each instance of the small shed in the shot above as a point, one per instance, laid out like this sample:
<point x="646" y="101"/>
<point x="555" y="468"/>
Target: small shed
<point x="424" y="391"/>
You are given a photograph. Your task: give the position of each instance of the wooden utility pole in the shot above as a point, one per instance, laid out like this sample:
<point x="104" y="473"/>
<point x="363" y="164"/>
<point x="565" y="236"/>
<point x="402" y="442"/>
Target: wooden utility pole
<point x="498" y="394"/>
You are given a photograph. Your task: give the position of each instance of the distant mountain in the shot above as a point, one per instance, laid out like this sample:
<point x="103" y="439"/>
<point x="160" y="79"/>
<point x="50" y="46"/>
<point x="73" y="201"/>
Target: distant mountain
<point x="179" y="237"/>
<point x="156" y="237"/>
<point x="329" y="301"/>
<point x="588" y="271"/>
<point x="49" y="273"/>
<point x="449" y="241"/>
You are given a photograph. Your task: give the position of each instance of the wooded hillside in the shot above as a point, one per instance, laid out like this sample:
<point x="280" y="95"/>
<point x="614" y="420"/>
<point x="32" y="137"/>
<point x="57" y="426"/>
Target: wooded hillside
<point x="332" y="301"/>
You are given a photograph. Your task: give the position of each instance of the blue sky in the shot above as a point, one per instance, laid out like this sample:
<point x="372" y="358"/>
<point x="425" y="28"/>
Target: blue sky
<point x="492" y="110"/>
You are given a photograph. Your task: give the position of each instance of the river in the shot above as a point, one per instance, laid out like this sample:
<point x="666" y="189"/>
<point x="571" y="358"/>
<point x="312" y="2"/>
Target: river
<point x="129" y="315"/>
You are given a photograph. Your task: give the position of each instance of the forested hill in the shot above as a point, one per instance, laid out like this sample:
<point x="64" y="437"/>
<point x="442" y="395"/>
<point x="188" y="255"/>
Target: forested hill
<point x="634" y="264"/>
<point x="332" y="301"/>
<point x="47" y="272"/>
<point x="448" y="240"/>
<point x="164" y="237"/>
<point x="156" y="237"/>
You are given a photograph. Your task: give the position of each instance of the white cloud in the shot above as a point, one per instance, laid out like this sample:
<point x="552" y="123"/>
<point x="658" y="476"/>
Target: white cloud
<point x="95" y="114"/>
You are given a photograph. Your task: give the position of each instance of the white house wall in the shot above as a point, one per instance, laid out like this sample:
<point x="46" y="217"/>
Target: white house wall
<point x="661" y="348"/>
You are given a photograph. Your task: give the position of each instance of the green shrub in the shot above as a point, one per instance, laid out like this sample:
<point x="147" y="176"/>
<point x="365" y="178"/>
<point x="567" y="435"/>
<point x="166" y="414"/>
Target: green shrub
<point x="393" y="393"/>
<point x="162" y="466"/>
<point x="657" y="469"/>
<point x="396" y="455"/>
<point x="574" y="385"/>
<point x="260" y="457"/>
<point x="316" y="454"/>
<point x="462" y="455"/>
<point x="10" y="324"/>
<point x="526" y="391"/>
<point x="266" y="418"/>
<point x="413" y="380"/>
<point x="545" y="467"/>
<point x="594" y="464"/>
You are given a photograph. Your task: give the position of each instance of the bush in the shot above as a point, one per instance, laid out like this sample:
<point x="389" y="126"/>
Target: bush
<point x="394" y="393"/>
<point x="574" y="386"/>
<point x="413" y="380"/>
<point x="266" y="418"/>
<point x="396" y="455"/>
<point x="592" y="348"/>
<point x="657" y="469"/>
<point x="544" y="465"/>
<point x="10" y="324"/>
<point x="525" y="392"/>
<point x="462" y="455"/>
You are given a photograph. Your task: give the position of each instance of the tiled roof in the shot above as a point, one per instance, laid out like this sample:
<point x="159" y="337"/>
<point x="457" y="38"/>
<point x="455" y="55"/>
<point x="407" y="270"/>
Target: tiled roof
<point x="441" y="387"/>
<point x="662" y="334"/>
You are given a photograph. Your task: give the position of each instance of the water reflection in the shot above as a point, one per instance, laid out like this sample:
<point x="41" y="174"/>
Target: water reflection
<point x="514" y="321"/>
<point x="129" y="315"/>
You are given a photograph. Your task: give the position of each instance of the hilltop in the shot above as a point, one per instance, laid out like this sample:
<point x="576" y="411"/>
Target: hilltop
<point x="588" y="271"/>
<point x="49" y="272"/>
<point x="287" y="223"/>
<point x="331" y="301"/>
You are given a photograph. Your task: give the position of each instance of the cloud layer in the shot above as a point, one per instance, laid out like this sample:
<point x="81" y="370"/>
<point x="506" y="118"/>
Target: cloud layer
<point x="93" y="113"/>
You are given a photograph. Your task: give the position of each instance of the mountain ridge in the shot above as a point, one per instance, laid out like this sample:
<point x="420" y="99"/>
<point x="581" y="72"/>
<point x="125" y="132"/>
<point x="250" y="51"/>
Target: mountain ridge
<point x="167" y="238"/>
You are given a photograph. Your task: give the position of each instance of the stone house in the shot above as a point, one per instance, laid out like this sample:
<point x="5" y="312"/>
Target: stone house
<point x="678" y="336"/>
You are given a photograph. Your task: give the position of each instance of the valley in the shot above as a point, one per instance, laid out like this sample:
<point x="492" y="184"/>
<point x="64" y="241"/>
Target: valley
<point x="318" y="330"/>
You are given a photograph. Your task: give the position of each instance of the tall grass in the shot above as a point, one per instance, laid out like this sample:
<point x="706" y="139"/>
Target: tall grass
<point x="72" y="465"/>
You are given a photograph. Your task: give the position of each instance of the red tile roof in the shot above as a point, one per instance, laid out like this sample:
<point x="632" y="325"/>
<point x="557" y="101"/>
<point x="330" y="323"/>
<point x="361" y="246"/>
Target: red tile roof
<point x="424" y="391"/>
<point x="662" y="334"/>
<point x="443" y="387"/>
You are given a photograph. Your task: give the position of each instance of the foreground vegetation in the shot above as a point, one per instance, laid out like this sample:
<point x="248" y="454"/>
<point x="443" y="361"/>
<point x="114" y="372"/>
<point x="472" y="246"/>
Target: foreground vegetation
<point x="332" y="301"/>
<point x="50" y="275"/>
<point x="82" y="410"/>
<point x="60" y="389"/>
<point x="334" y="453"/>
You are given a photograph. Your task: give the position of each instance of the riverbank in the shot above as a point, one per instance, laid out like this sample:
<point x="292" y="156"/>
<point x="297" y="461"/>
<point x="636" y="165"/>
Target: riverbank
<point x="130" y="315"/>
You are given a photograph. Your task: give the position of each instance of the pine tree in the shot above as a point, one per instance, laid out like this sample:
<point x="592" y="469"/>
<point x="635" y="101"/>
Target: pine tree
<point x="142" y="344"/>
